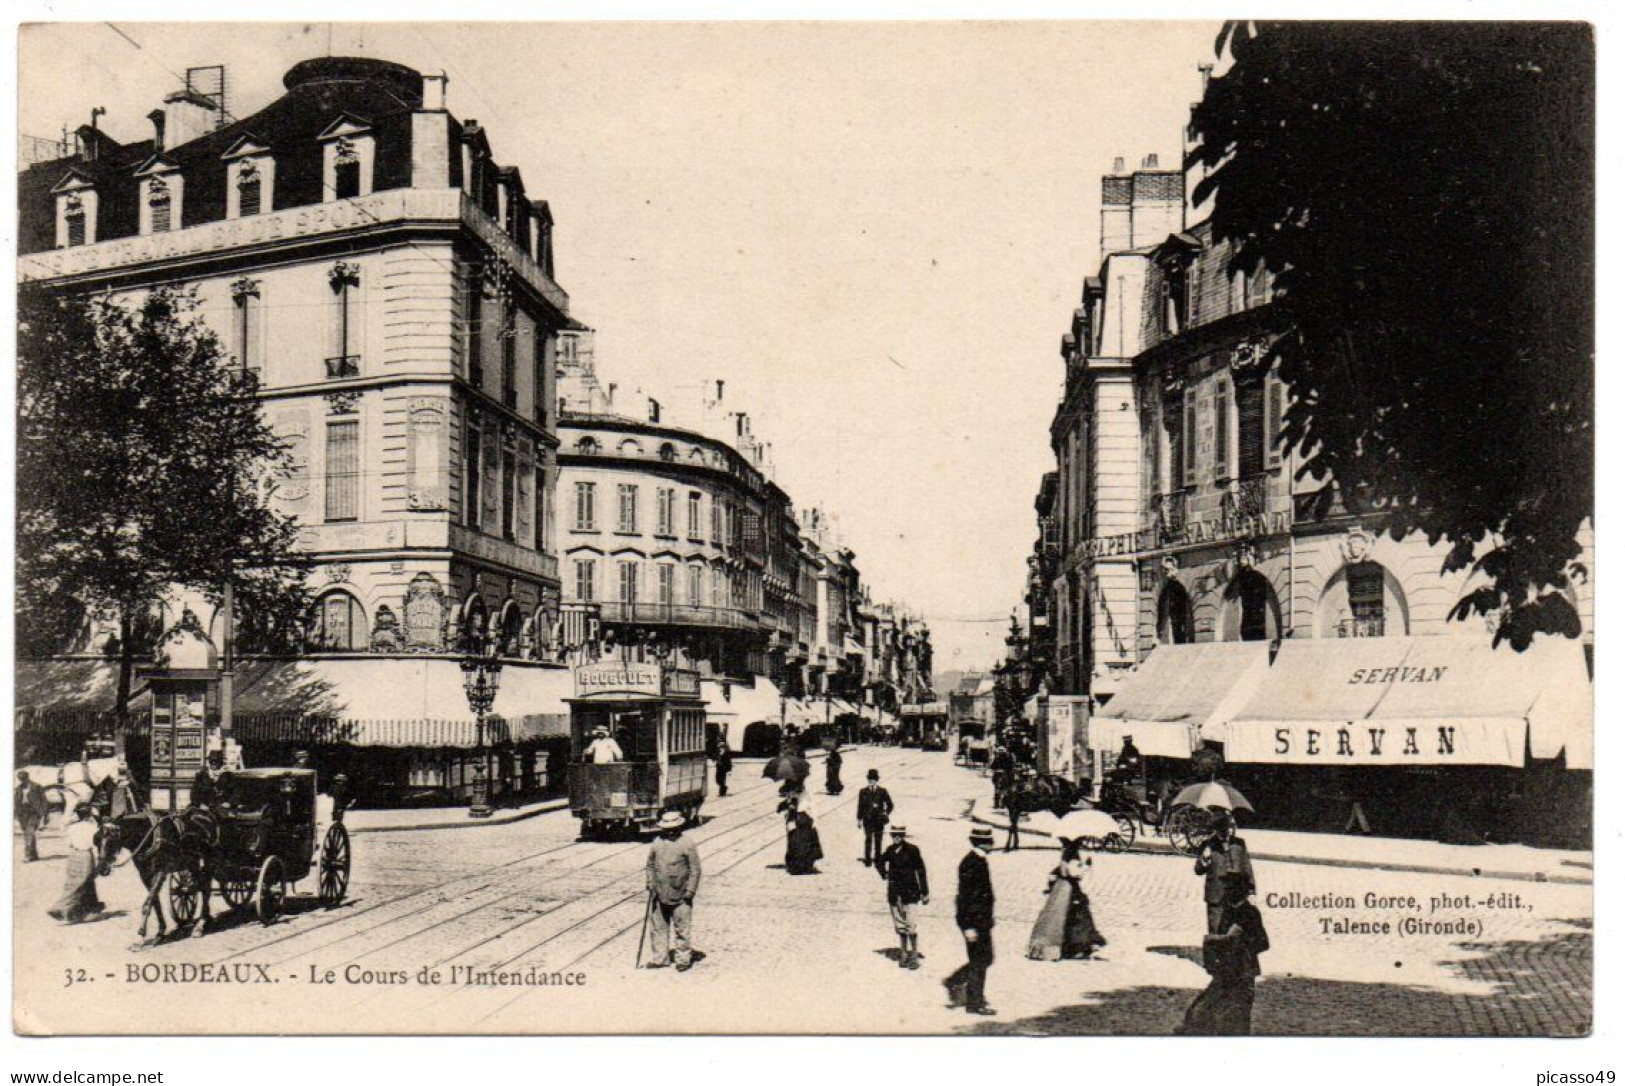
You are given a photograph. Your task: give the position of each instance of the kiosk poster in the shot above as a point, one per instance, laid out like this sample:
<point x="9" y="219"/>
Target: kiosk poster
<point x="1192" y="420"/>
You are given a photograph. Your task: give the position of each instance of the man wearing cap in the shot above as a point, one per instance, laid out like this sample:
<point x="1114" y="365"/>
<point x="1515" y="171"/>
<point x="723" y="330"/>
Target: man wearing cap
<point x="874" y="811"/>
<point x="603" y="750"/>
<point x="903" y="868"/>
<point x="673" y="879"/>
<point x="974" y="914"/>
<point x="209" y="785"/>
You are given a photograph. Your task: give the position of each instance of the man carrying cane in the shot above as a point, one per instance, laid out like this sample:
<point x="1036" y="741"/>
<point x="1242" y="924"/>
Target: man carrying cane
<point x="673" y="880"/>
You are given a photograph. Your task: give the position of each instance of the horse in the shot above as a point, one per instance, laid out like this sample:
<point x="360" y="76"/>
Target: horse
<point x="1029" y="794"/>
<point x="163" y="847"/>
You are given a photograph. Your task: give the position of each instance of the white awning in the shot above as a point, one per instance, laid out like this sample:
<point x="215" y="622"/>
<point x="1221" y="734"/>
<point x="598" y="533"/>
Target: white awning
<point x="1418" y="701"/>
<point x="1180" y="695"/>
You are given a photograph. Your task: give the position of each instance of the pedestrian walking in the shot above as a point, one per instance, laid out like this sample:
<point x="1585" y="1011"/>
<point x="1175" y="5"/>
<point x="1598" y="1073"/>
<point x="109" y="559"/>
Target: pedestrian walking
<point x="1227" y="866"/>
<point x="673" y="880"/>
<point x="1065" y="928"/>
<point x="973" y="912"/>
<point x="907" y="888"/>
<point x="802" y="849"/>
<point x="79" y="899"/>
<point x="832" y="773"/>
<point x="28" y="806"/>
<point x="874" y="811"/>
<point x="1225" y="1007"/>
<point x="725" y="766"/>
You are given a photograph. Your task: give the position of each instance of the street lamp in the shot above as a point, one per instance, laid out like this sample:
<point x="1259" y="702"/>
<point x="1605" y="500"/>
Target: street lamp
<point x="482" y="673"/>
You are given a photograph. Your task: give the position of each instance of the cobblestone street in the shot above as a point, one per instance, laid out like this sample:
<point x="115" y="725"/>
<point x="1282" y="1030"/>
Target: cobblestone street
<point x="809" y="952"/>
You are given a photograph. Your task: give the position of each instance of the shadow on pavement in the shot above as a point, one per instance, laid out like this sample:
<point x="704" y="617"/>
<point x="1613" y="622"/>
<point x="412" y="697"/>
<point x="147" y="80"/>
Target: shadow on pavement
<point x="1525" y="988"/>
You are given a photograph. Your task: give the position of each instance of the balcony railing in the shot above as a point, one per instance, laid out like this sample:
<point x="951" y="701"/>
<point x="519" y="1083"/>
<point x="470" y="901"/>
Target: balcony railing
<point x="1368" y="626"/>
<point x="1248" y="498"/>
<point x="676" y="614"/>
<point x="1167" y="518"/>
<point x="345" y="365"/>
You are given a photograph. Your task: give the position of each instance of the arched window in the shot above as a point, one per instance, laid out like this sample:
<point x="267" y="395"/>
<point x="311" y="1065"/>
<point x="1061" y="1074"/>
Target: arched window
<point x="338" y="623"/>
<point x="1362" y="600"/>
<point x="587" y="446"/>
<point x="1252" y="612"/>
<point x="475" y="625"/>
<point x="513" y="628"/>
<point x="1175" y="625"/>
<point x="668" y="451"/>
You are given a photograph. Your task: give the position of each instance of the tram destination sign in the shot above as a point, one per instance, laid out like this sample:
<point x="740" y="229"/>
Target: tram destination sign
<point x="618" y="678"/>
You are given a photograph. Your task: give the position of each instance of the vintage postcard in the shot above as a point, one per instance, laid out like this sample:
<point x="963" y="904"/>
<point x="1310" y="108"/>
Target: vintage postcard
<point x="1060" y="528"/>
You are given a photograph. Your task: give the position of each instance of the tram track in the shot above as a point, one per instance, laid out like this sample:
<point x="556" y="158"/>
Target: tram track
<point x="639" y="895"/>
<point x="460" y="890"/>
<point x="766" y="820"/>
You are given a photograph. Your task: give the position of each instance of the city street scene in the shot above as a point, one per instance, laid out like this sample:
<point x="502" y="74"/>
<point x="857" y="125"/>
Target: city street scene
<point x="800" y="528"/>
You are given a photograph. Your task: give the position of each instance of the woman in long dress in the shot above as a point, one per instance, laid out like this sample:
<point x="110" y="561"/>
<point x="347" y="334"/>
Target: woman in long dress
<point x="802" y="849"/>
<point x="1225" y="1007"/>
<point x="1065" y="928"/>
<point x="79" y="898"/>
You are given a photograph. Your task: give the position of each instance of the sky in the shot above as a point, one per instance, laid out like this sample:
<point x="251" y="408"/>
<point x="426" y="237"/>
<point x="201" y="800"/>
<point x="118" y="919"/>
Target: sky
<point x="875" y="233"/>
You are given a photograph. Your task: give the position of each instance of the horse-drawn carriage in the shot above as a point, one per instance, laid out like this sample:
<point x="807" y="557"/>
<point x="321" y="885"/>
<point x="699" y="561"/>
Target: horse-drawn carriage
<point x="267" y="821"/>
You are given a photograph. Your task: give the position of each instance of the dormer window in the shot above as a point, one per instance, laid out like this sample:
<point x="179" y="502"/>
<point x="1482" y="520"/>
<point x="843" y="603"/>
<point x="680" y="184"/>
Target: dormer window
<point x="347" y="159"/>
<point x="76" y="204"/>
<point x="250" y="178"/>
<point x="346" y="171"/>
<point x="161" y="190"/>
<point x="158" y="206"/>
<point x="75" y="215"/>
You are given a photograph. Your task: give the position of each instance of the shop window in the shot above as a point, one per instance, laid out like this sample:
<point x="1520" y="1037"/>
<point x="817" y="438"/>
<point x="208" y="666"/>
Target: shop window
<point x="338" y="623"/>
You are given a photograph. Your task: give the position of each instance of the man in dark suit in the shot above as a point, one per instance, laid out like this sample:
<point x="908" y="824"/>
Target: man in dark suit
<point x="974" y="914"/>
<point x="874" y="811"/>
<point x="28" y="804"/>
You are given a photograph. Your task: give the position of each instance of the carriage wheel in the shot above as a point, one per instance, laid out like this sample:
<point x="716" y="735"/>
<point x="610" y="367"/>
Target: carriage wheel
<point x="183" y="895"/>
<point x="1188" y="829"/>
<point x="237" y="892"/>
<point x="1123" y="839"/>
<point x="335" y="865"/>
<point x="269" y="890"/>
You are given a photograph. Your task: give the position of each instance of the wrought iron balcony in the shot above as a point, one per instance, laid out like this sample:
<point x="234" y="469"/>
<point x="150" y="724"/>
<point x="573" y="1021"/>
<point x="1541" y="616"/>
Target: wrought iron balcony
<point x="345" y="365"/>
<point x="1368" y="626"/>
<point x="1248" y="497"/>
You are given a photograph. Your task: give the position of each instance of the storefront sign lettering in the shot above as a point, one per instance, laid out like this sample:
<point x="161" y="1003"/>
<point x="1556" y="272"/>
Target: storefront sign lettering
<point x="1397" y="675"/>
<point x="618" y="678"/>
<point x="1220" y="530"/>
<point x="1355" y="743"/>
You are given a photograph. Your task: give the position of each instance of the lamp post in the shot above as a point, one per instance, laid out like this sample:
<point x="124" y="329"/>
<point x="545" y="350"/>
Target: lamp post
<point x="482" y="673"/>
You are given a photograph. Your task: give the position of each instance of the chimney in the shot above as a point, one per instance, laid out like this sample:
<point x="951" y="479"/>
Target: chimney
<point x="434" y="91"/>
<point x="654" y="409"/>
<point x="611" y="394"/>
<point x="719" y="391"/>
<point x="157" y="119"/>
<point x="188" y="115"/>
<point x="1117" y="164"/>
<point x="1149" y="162"/>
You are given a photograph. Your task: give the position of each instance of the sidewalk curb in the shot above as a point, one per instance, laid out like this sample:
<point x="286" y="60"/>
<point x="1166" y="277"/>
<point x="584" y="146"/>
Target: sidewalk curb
<point x="545" y="807"/>
<point x="1357" y="865"/>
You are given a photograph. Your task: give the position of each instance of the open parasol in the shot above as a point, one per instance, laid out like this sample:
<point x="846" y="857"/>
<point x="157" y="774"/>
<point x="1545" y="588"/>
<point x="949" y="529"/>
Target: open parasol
<point x="787" y="767"/>
<point x="1213" y="794"/>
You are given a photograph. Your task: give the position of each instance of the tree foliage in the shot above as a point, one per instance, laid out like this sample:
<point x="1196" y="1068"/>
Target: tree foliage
<point x="144" y="465"/>
<point x="1423" y="193"/>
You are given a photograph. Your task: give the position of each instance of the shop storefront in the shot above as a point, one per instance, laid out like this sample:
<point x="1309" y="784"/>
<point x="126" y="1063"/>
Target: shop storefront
<point x="1178" y="699"/>
<point x="1419" y="736"/>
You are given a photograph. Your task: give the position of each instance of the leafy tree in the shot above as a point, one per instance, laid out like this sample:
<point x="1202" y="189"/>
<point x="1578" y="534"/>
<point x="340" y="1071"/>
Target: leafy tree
<point x="1423" y="194"/>
<point x="144" y="465"/>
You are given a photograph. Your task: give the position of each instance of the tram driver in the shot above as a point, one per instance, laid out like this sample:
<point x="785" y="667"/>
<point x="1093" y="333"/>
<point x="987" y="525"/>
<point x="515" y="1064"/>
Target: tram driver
<point x="604" y="750"/>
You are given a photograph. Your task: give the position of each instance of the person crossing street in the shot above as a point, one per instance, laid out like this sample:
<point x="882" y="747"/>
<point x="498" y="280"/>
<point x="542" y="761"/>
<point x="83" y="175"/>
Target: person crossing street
<point x="673" y="877"/>
<point x="903" y="868"/>
<point x="974" y="914"/>
<point x="874" y="811"/>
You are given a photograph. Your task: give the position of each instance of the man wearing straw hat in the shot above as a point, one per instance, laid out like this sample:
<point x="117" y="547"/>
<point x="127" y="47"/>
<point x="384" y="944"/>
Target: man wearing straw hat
<point x="673" y="879"/>
<point x="903" y="868"/>
<point x="973" y="913"/>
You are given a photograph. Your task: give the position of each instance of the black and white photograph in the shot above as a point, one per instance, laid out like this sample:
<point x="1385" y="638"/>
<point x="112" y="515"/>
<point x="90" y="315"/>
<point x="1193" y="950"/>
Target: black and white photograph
<point x="953" y="528"/>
